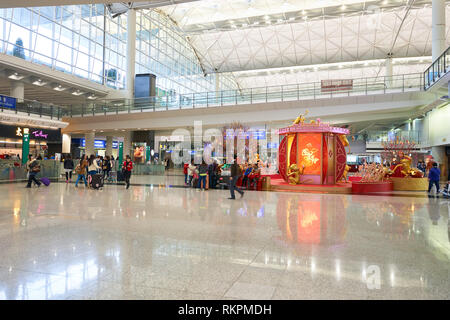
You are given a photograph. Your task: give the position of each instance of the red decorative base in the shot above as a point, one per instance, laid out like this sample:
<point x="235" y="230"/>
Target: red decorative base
<point x="278" y="184"/>
<point x="372" y="187"/>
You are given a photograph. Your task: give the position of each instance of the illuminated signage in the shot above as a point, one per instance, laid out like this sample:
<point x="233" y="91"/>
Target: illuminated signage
<point x="100" y="144"/>
<point x="255" y="134"/>
<point x="309" y="157"/>
<point x="7" y="102"/>
<point x="37" y="133"/>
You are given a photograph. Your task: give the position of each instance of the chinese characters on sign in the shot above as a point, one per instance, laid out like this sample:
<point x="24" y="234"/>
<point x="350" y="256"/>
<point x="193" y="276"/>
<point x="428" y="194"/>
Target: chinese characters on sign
<point x="37" y="133"/>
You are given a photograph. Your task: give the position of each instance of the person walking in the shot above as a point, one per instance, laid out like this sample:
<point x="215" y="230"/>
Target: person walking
<point x="34" y="169"/>
<point x="235" y="174"/>
<point x="27" y="165"/>
<point x="127" y="167"/>
<point x="68" y="167"/>
<point x="202" y="172"/>
<point x="434" y="176"/>
<point x="81" y="170"/>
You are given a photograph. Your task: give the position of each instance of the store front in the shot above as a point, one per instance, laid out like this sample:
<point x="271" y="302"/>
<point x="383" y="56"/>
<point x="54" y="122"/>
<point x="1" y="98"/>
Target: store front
<point x="43" y="141"/>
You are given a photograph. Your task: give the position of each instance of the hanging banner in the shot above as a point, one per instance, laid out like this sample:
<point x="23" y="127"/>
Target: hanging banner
<point x="336" y="85"/>
<point x="147" y="153"/>
<point x="120" y="154"/>
<point x="25" y="145"/>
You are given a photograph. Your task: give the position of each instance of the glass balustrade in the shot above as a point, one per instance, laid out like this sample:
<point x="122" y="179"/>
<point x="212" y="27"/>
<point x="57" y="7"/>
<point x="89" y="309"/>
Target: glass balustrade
<point x="294" y="92"/>
<point x="303" y="91"/>
<point x="437" y="70"/>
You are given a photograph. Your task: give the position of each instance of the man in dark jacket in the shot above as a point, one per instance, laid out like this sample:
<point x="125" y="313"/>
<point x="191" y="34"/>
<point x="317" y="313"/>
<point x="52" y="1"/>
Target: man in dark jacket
<point x="235" y="174"/>
<point x="34" y="169"/>
<point x="433" y="177"/>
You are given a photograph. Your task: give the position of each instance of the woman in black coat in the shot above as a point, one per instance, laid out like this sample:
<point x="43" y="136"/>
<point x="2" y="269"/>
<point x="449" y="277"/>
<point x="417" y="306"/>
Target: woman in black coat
<point x="68" y="167"/>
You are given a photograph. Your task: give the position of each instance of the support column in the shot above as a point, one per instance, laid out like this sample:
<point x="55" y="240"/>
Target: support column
<point x="66" y="142"/>
<point x="17" y="90"/>
<point x="131" y="52"/>
<point x="109" y="141"/>
<point x="127" y="144"/>
<point x="217" y="78"/>
<point x="389" y="72"/>
<point x="89" y="143"/>
<point x="438" y="28"/>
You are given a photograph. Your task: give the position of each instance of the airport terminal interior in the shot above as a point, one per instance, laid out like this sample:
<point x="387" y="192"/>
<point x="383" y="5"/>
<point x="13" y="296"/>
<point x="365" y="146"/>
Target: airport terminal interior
<point x="225" y="150"/>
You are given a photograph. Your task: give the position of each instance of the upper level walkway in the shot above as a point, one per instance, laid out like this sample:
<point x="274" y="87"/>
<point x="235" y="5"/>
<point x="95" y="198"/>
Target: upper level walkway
<point x="329" y="89"/>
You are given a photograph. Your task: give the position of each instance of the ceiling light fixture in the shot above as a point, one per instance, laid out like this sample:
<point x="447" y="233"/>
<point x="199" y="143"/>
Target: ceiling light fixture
<point x="16" y="76"/>
<point x="59" y="88"/>
<point x="39" y="83"/>
<point x="343" y="7"/>
<point x="77" y="93"/>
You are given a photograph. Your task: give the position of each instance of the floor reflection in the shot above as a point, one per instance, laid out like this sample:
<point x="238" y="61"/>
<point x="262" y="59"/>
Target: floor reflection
<point x="61" y="242"/>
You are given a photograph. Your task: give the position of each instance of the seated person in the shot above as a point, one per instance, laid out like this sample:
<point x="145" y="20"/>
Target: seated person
<point x="254" y="176"/>
<point x="247" y="171"/>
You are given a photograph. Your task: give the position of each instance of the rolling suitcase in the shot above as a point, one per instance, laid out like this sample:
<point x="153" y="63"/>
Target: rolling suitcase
<point x="45" y="181"/>
<point x="96" y="181"/>
<point x="120" y="176"/>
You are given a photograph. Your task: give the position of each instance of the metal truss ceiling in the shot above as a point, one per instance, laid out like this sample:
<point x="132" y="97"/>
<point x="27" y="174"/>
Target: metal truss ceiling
<point x="363" y="31"/>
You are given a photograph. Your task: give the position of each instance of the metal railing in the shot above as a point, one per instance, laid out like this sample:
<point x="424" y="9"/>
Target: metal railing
<point x="437" y="69"/>
<point x="35" y="108"/>
<point x="294" y="92"/>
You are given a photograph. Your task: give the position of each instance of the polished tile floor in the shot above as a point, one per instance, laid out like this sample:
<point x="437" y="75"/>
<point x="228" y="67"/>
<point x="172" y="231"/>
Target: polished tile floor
<point x="157" y="242"/>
